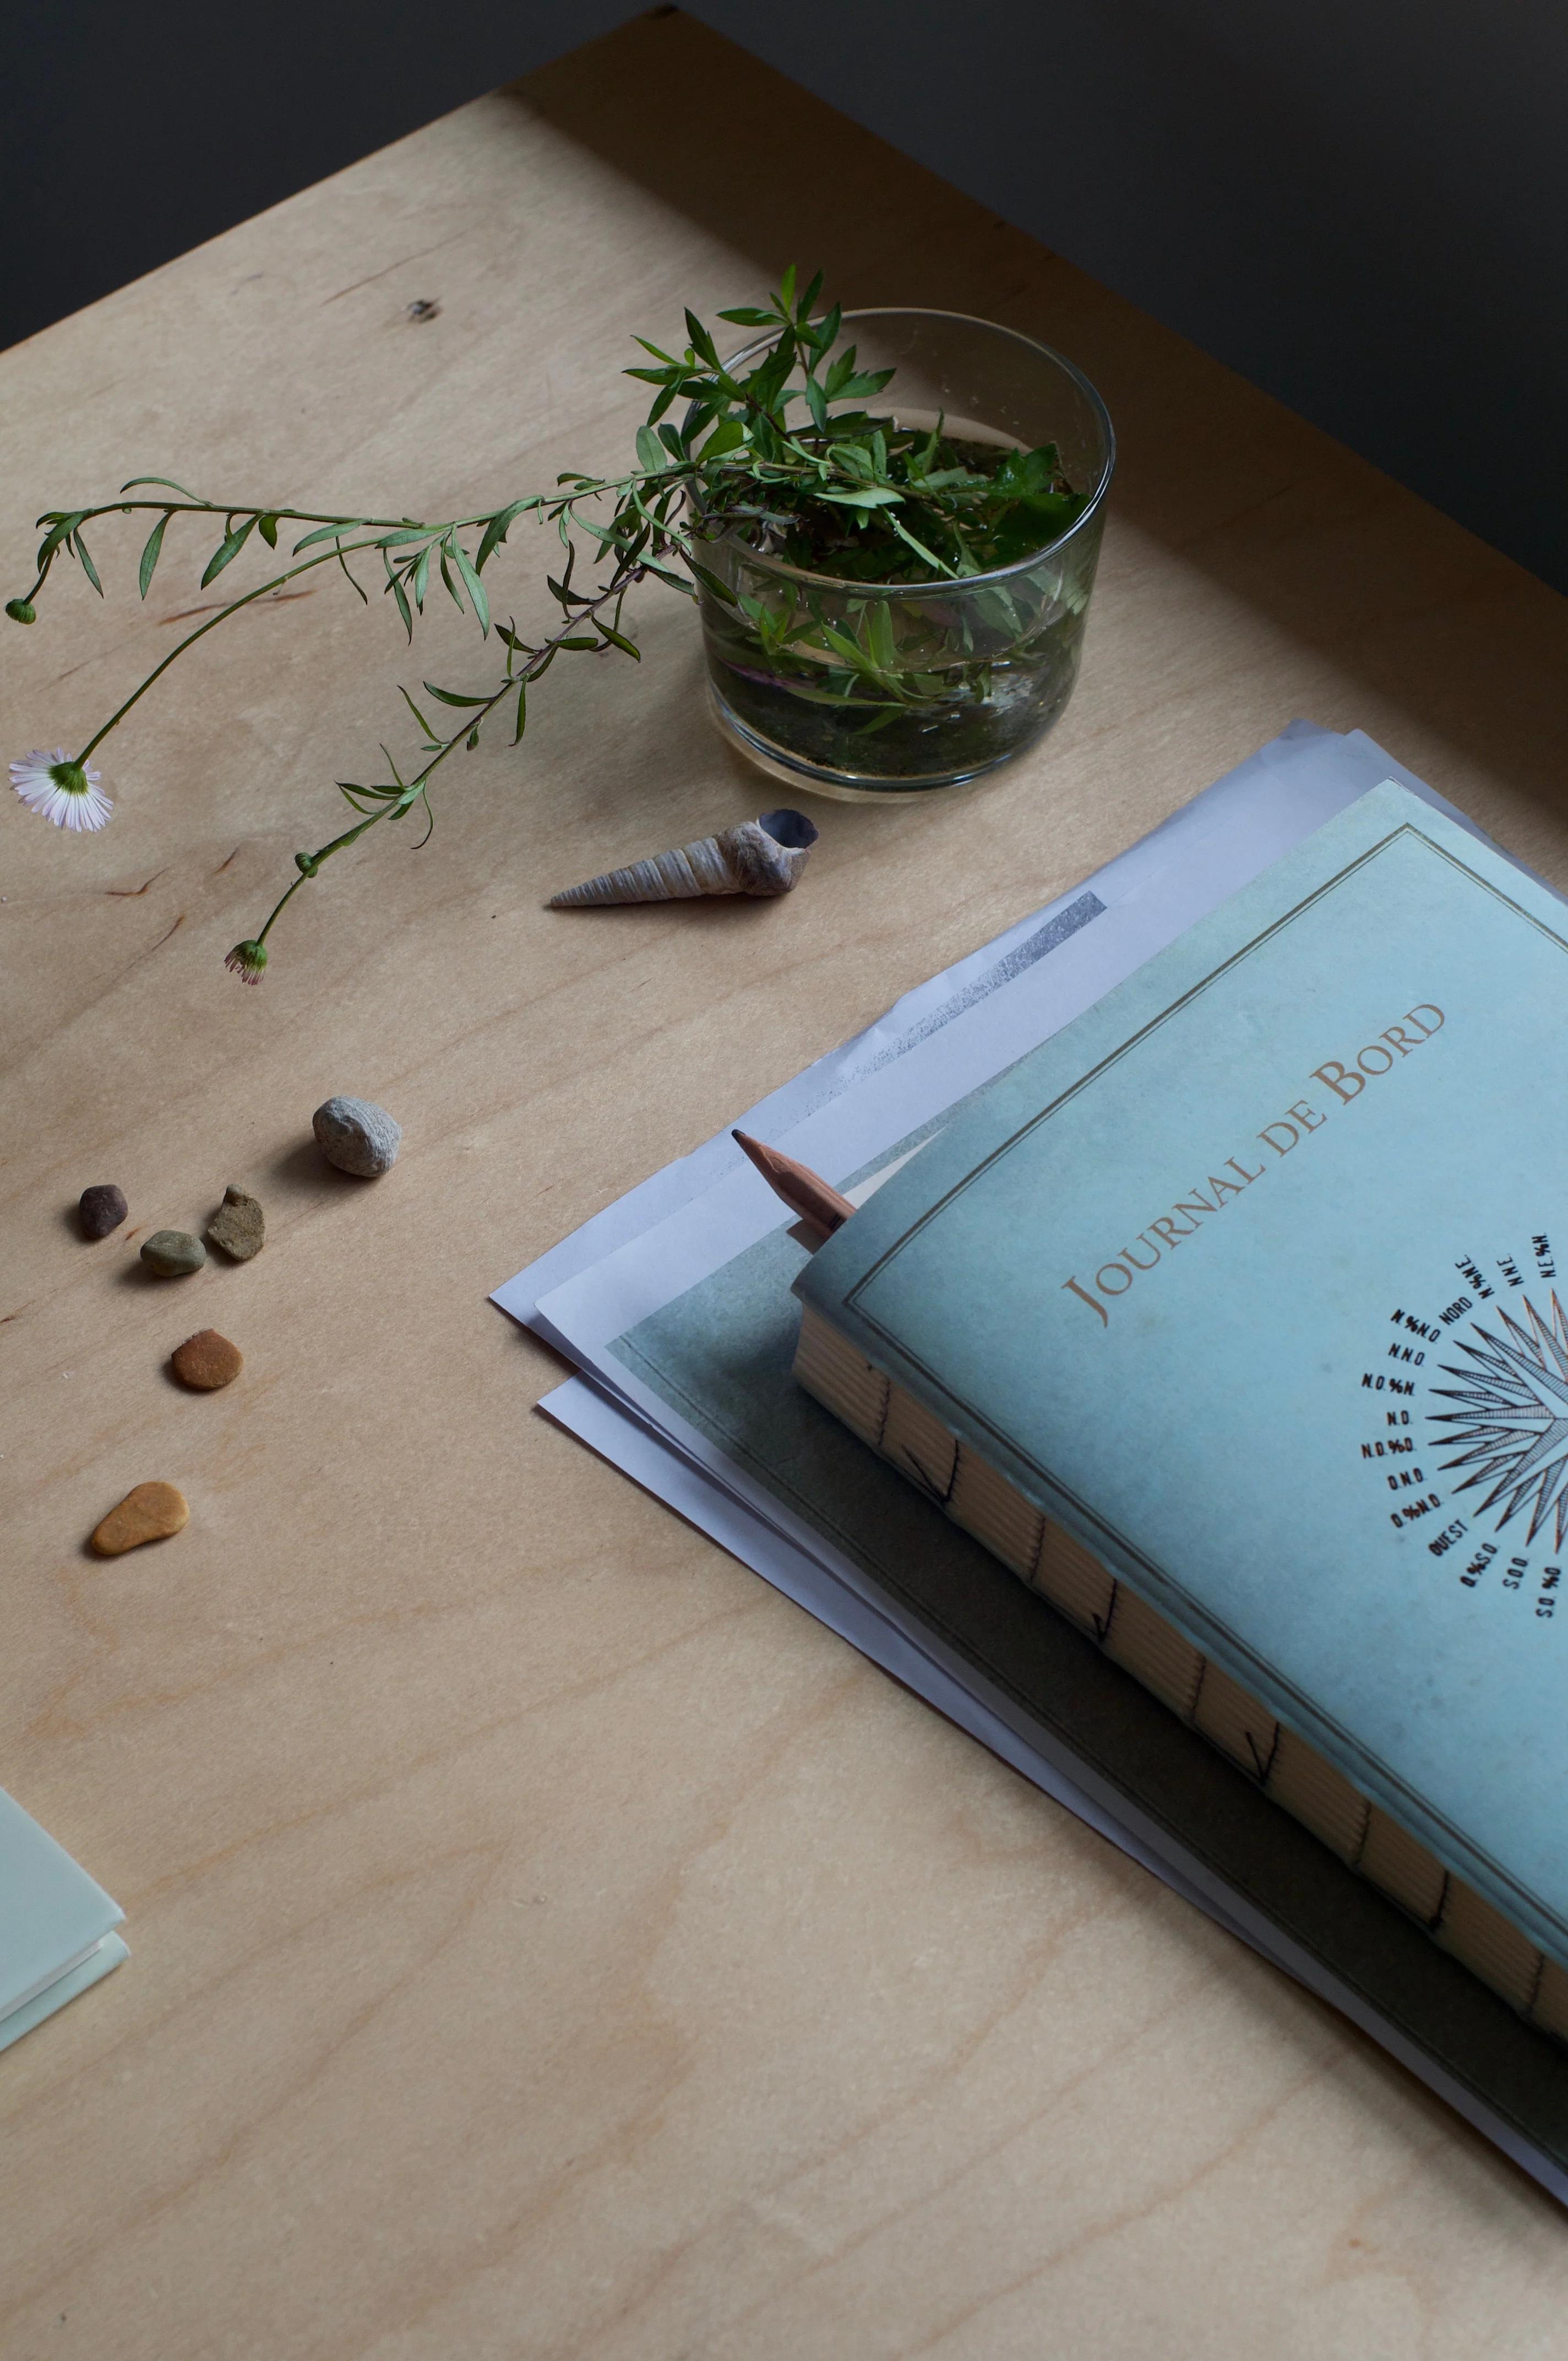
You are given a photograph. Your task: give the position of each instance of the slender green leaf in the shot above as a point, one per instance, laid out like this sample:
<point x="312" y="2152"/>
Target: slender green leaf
<point x="747" y="315"/>
<point x="874" y="496"/>
<point x="329" y="532"/>
<point x="617" y="640"/>
<point x="165" y="480"/>
<point x="446" y="577"/>
<point x="150" y="555"/>
<point x="521" y="712"/>
<point x="347" y="573"/>
<point x="578" y="644"/>
<point x="650" y="451"/>
<point x="88" y="568"/>
<point x="61" y="530"/>
<point x="728" y="435"/>
<point x="268" y="527"/>
<point x="930" y="556"/>
<point x="451" y="696"/>
<point x="402" y="596"/>
<point x="472" y="584"/>
<point x="786" y="292"/>
<point x="418" y="716"/>
<point x="421" y="578"/>
<point x="500" y="526"/>
<point x="710" y="581"/>
<point x="675" y="581"/>
<point x="701" y="341"/>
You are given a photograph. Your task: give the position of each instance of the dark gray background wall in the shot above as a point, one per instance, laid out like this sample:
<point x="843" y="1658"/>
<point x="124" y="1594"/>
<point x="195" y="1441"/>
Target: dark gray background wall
<point x="1359" y="204"/>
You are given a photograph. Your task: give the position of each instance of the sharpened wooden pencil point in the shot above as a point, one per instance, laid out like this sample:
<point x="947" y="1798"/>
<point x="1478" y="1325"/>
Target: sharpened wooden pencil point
<point x="807" y="1195"/>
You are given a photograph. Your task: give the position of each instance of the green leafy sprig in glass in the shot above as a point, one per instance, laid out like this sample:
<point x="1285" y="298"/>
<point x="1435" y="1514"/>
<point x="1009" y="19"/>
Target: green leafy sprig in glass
<point x="837" y="488"/>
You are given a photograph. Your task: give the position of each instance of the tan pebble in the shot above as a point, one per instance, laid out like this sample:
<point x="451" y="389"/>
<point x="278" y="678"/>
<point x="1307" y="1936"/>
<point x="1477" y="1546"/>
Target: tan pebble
<point x="207" y="1360"/>
<point x="240" y="1225"/>
<point x="148" y="1514"/>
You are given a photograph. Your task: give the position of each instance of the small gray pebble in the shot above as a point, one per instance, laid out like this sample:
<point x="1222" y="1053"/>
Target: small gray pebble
<point x="356" y="1135"/>
<point x="173" y="1254"/>
<point x="101" y="1210"/>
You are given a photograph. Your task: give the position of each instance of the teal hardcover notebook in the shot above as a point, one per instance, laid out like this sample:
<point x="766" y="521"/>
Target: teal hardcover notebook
<point x="56" y="1926"/>
<point x="1247" y="1283"/>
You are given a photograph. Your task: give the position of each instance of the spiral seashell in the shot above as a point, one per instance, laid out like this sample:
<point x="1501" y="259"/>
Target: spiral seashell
<point x="762" y="857"/>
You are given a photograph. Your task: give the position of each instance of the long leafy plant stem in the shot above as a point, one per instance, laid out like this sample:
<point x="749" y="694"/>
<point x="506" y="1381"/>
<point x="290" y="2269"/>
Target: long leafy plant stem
<point x="324" y="557"/>
<point x="478" y="712"/>
<point x="404" y="528"/>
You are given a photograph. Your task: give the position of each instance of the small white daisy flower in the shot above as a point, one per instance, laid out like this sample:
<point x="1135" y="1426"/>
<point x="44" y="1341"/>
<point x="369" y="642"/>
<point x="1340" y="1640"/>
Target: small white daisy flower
<point x="67" y="793"/>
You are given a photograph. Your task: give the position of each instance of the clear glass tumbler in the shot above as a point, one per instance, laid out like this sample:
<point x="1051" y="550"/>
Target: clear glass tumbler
<point x="876" y="693"/>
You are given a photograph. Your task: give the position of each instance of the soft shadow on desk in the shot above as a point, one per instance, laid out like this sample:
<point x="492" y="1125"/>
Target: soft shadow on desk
<point x="1420" y="618"/>
<point x="303" y="1172"/>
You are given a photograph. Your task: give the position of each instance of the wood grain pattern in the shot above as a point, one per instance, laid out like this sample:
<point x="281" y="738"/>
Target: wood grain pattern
<point x="547" y="1941"/>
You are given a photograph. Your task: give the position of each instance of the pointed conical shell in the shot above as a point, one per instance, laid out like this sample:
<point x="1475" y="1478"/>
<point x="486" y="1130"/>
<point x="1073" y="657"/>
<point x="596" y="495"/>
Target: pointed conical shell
<point x="763" y="856"/>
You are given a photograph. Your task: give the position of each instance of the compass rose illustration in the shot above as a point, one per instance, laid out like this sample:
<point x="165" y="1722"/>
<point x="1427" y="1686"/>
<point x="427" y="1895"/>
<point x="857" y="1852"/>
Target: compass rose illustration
<point x="1512" y="1427"/>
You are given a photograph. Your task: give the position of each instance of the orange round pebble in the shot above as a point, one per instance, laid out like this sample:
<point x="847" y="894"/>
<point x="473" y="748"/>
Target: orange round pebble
<point x="206" y="1361"/>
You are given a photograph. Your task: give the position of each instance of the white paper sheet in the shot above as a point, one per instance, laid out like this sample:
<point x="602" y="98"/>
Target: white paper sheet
<point x="841" y="1116"/>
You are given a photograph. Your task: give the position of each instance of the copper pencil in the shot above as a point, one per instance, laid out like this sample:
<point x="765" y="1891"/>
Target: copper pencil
<point x="806" y="1194"/>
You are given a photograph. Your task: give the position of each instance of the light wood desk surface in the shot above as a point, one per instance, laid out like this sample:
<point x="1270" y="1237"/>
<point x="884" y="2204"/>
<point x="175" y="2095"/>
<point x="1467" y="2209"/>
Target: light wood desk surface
<point x="547" y="1941"/>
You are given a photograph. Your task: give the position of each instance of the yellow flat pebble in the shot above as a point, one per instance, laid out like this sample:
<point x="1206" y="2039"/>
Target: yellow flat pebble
<point x="148" y="1514"/>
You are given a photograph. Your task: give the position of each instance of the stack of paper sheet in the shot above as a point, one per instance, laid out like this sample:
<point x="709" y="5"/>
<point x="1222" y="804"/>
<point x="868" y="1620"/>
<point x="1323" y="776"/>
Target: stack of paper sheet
<point x="675" y="1304"/>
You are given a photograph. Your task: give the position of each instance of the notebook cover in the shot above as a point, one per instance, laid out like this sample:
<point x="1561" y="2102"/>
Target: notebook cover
<point x="720" y="1355"/>
<point x="101" y="1959"/>
<point x="51" y="1916"/>
<point x="1247" y="1277"/>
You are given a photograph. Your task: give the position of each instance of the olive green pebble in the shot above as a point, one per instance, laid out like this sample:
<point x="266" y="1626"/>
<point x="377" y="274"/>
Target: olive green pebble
<point x="173" y="1254"/>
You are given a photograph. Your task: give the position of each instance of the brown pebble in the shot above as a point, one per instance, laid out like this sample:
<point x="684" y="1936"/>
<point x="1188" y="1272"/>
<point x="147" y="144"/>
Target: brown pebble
<point x="207" y="1361"/>
<point x="101" y="1210"/>
<point x="239" y="1226"/>
<point x="148" y="1514"/>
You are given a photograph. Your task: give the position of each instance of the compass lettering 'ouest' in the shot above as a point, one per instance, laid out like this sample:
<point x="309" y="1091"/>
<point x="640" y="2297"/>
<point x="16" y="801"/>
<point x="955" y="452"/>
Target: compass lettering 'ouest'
<point x="1344" y="1078"/>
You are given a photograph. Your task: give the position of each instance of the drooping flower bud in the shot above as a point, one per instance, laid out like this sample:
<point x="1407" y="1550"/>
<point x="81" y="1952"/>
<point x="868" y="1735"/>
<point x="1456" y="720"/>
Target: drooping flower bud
<point x="247" y="961"/>
<point x="21" y="610"/>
